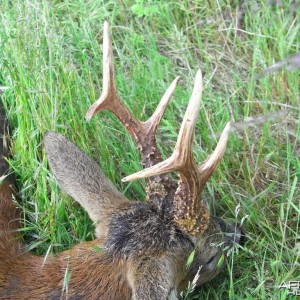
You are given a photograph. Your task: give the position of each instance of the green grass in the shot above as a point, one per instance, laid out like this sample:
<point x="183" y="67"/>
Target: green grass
<point x="51" y="62"/>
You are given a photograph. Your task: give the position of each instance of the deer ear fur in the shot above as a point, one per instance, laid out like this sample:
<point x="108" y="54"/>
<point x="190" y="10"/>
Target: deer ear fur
<point x="80" y="177"/>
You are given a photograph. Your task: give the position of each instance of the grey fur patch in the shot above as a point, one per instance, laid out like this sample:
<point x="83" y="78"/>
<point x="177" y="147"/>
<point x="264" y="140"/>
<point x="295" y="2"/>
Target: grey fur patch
<point x="142" y="229"/>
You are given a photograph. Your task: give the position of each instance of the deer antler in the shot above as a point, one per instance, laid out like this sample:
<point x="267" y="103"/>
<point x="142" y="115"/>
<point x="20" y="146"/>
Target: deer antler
<point x="190" y="212"/>
<point x="143" y="133"/>
<point x="185" y="203"/>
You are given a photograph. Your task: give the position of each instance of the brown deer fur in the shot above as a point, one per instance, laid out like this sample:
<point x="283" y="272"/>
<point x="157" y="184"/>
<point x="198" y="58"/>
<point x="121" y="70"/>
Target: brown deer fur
<point x="141" y="248"/>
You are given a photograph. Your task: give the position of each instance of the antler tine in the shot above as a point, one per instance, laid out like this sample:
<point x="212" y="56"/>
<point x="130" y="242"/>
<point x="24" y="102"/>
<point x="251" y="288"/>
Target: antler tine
<point x="183" y="148"/>
<point x="109" y="88"/>
<point x="153" y="122"/>
<point x="207" y="167"/>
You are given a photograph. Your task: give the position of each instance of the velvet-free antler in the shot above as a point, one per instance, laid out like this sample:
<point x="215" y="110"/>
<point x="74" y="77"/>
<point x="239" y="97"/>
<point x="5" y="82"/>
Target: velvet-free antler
<point x="189" y="211"/>
<point x="143" y="133"/>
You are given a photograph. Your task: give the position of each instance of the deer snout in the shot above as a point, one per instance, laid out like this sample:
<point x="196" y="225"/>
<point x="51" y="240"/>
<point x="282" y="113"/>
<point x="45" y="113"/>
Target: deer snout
<point x="234" y="233"/>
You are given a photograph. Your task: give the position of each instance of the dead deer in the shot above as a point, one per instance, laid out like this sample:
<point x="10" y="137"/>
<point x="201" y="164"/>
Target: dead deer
<point x="144" y="246"/>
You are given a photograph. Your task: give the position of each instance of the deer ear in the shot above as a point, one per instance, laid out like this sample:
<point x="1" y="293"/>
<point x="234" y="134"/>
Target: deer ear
<point x="81" y="178"/>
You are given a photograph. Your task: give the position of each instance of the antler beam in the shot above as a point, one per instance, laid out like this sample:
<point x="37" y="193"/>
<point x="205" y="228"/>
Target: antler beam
<point x="190" y="212"/>
<point x="143" y="133"/>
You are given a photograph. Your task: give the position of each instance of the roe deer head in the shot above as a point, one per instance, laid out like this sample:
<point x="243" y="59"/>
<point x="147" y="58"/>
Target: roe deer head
<point x="144" y="245"/>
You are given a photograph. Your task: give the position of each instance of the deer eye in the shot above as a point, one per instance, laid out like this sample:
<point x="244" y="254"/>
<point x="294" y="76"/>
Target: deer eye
<point x="211" y="259"/>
